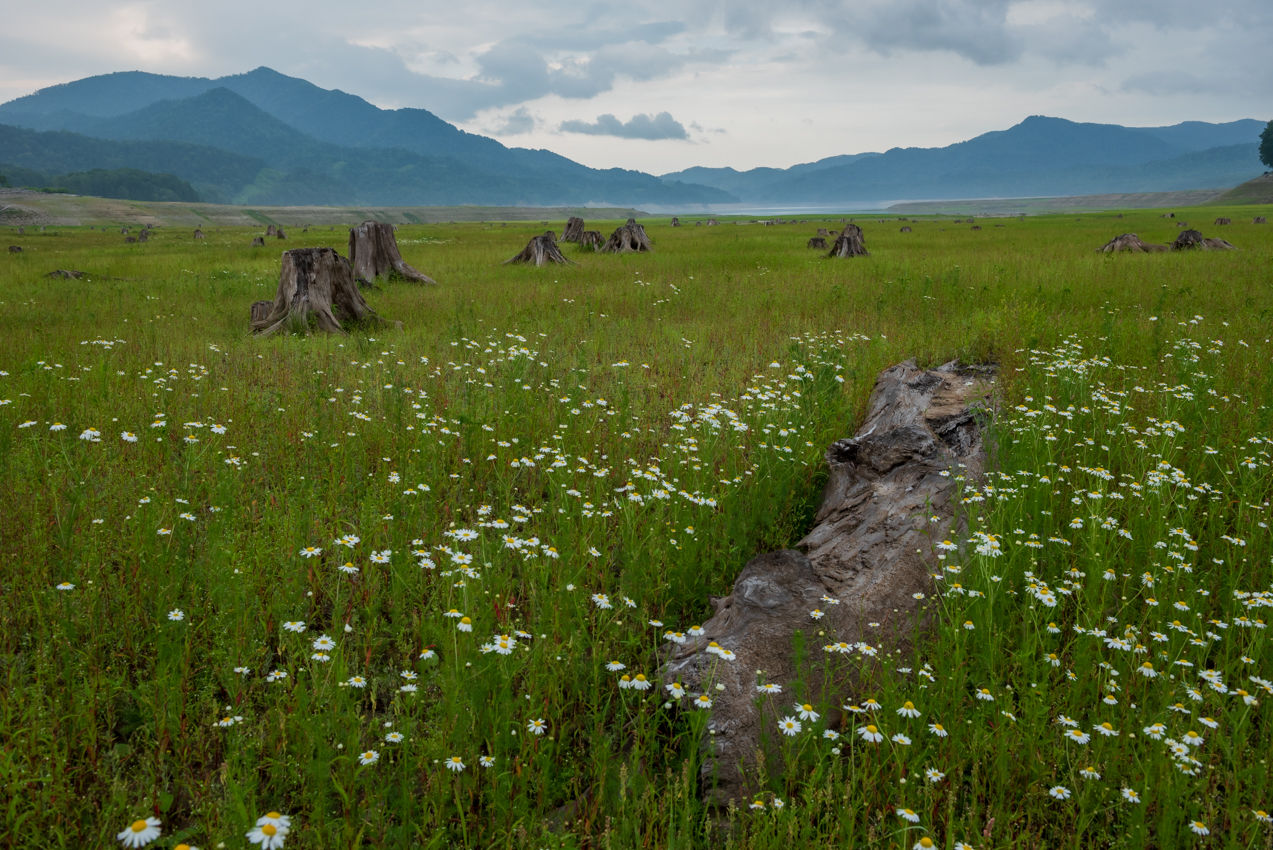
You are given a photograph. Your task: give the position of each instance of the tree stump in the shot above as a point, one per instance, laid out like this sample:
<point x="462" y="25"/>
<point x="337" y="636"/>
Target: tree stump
<point x="144" y="236"/>
<point x="549" y="234"/>
<point x="698" y="224"/>
<point x="271" y="230"/>
<point x="817" y="242"/>
<point x="373" y="253"/>
<point x="1192" y="240"/>
<point x="198" y="234"/>
<point x="676" y="222"/>
<point x="541" y="250"/>
<point x="629" y="238"/>
<point x="258" y="242"/>
<point x="574" y="230"/>
<point x="130" y="239"/>
<point x="1130" y="243"/>
<point x="1120" y="215"/>
<point x="280" y="234"/>
<point x="822" y="231"/>
<point x="65" y="274"/>
<point x="906" y="229"/>
<point x="711" y="222"/>
<point x="1224" y="221"/>
<point x="261" y="310"/>
<point x="850" y="243"/>
<point x="1259" y="219"/>
<point x="15" y="249"/>
<point x="976" y="227"/>
<point x="22" y="230"/>
<point x="1168" y="215"/>
<point x="314" y="283"/>
<point x="591" y="238"/>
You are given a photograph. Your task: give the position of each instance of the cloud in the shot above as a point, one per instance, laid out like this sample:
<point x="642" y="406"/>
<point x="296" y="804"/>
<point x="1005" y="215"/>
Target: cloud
<point x="516" y="123"/>
<point x="650" y="127"/>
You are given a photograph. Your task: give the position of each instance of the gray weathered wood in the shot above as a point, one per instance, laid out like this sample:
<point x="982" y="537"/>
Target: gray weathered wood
<point x="1130" y="243"/>
<point x="574" y="229"/>
<point x="850" y="243"/>
<point x="317" y="284"/>
<point x="540" y="251"/>
<point x="373" y="253"/>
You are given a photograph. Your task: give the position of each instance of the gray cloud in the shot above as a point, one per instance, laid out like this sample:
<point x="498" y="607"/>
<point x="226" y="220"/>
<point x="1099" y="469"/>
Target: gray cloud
<point x="516" y="123"/>
<point x="649" y="127"/>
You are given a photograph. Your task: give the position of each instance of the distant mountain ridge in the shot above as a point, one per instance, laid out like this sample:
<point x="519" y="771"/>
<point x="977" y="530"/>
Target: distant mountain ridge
<point x="266" y="138"/>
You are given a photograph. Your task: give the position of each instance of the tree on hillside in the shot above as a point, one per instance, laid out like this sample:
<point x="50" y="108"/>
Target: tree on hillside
<point x="1266" y="145"/>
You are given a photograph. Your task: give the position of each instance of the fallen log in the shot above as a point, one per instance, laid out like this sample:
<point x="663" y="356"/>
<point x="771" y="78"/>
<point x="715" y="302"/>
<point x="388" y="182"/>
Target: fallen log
<point x="866" y="567"/>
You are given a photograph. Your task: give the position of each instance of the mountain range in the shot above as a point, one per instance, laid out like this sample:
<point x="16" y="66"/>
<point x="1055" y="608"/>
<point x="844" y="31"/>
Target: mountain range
<point x="266" y="138"/>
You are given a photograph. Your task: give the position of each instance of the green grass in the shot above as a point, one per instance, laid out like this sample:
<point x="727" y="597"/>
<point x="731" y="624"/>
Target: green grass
<point x="109" y="706"/>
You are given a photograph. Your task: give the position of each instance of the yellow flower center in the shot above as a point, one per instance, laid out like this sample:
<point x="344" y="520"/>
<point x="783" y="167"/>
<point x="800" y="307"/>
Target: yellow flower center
<point x="182" y="847"/>
<point x="466" y="620"/>
<point x="938" y="726"/>
<point x="872" y="729"/>
<point x="640" y="677"/>
<point x="807" y="707"/>
<point x="926" y="842"/>
<point x="139" y="825"/>
<point x="1107" y="726"/>
<point x="270" y="829"/>
<point x="909" y="706"/>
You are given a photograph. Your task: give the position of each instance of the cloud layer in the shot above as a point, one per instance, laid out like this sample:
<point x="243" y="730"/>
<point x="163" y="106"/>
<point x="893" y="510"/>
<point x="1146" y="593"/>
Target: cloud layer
<point x="649" y="127"/>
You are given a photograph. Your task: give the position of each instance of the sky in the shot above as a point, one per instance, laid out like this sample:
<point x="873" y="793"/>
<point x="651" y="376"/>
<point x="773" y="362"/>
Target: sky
<point x="661" y="86"/>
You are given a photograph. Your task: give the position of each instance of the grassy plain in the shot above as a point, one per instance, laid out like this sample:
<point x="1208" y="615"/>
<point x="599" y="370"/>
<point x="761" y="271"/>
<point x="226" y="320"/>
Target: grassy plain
<point x="163" y="622"/>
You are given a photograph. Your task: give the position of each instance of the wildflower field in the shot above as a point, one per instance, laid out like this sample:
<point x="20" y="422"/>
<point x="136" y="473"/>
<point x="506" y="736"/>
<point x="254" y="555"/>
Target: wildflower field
<point x="406" y="588"/>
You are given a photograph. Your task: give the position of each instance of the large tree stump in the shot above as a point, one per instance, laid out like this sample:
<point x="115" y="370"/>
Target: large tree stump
<point x="676" y="222"/>
<point x="1131" y="243"/>
<point x="891" y="493"/>
<point x="548" y="234"/>
<point x="850" y="243"/>
<point x="198" y="234"/>
<point x="144" y="236"/>
<point x="258" y="242"/>
<point x="1259" y="219"/>
<point x="280" y="234"/>
<point x="541" y="250"/>
<point x="574" y="230"/>
<point x="373" y="253"/>
<point x="1192" y="240"/>
<point x="318" y="284"/>
<point x="271" y="230"/>
<point x="591" y="238"/>
<point x="817" y="242"/>
<point x="711" y="222"/>
<point x="627" y="239"/>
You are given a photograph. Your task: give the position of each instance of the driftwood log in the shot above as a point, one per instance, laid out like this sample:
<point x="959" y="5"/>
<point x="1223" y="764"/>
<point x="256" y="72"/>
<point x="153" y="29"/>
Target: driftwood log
<point x="1224" y="221"/>
<point x="317" y="284"/>
<point x="817" y="242"/>
<point x="198" y="234"/>
<point x="867" y="565"/>
<point x="1131" y="243"/>
<point x="591" y="238"/>
<point x="1259" y="219"/>
<point x="373" y="253"/>
<point x="574" y="230"/>
<point x="850" y="243"/>
<point x="627" y="239"/>
<point x="258" y="242"/>
<point x="1193" y="240"/>
<point x="540" y="250"/>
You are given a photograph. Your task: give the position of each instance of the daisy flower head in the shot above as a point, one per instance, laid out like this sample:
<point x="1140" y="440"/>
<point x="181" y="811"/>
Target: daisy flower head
<point x="703" y="701"/>
<point x="486" y="761"/>
<point x="963" y="845"/>
<point x="924" y="843"/>
<point x="537" y="727"/>
<point x="938" y="730"/>
<point x="369" y="757"/>
<point x="176" y="615"/>
<point x="640" y="683"/>
<point x="296" y="626"/>
<point x="1199" y="828"/>
<point x="465" y="624"/>
<point x="1262" y="816"/>
<point x="394" y="738"/>
<point x="901" y="740"/>
<point x="615" y="666"/>
<point x="311" y="552"/>
<point x="1078" y="736"/>
<point x="908" y="815"/>
<point x="140" y="833"/>
<point x="268" y="835"/>
<point x="455" y="763"/>
<point x="696" y="631"/>
<point x="1090" y="773"/>
<point x="1059" y="792"/>
<point x="908" y="709"/>
<point x="806" y="712"/>
<point x="602" y="601"/>
<point x="356" y="682"/>
<point x="1106" y="730"/>
<point x="324" y="643"/>
<point x="1209" y="722"/>
<point x="1130" y="795"/>
<point x="66" y="585"/>
<point x="675" y="689"/>
<point x="789" y="726"/>
<point x="870" y="734"/>
<point x="769" y="688"/>
<point x="934" y="775"/>
<point x="756" y="805"/>
<point x="984" y="694"/>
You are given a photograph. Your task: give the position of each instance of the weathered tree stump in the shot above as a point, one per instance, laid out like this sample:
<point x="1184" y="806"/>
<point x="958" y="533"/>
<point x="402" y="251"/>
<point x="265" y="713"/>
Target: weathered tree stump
<point x="65" y="274"/>
<point x="318" y="284"/>
<point x="711" y="222"/>
<point x="261" y="310"/>
<point x="574" y="229"/>
<point x="258" y="242"/>
<point x="22" y="230"/>
<point x="271" y="230"/>
<point x="280" y="234"/>
<point x="15" y="249"/>
<point x="698" y="224"/>
<point x="373" y="253"/>
<point x="906" y="229"/>
<point x="976" y="227"/>
<point x="1130" y="243"/>
<point x="541" y="250"/>
<point x="676" y="222"/>
<point x="548" y="234"/>
<point x="1224" y="221"/>
<point x="889" y="496"/>
<point x="591" y="238"/>
<point x="198" y="234"/>
<point x="850" y="243"/>
<point x="130" y="239"/>
<point x="144" y="236"/>
<point x="1168" y="215"/>
<point x="817" y="242"/>
<point x="1192" y="240"/>
<point x="627" y="239"/>
<point x="1259" y="219"/>
<point x="822" y="231"/>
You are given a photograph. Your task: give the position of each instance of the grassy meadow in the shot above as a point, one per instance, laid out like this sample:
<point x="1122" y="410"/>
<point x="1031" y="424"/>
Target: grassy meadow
<point x="407" y="587"/>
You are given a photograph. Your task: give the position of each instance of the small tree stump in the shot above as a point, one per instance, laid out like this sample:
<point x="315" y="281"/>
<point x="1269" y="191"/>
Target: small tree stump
<point x="280" y="234"/>
<point x="373" y="253"/>
<point x="906" y="229"/>
<point x="850" y="243"/>
<point x="1120" y="215"/>
<point x="130" y="239"/>
<point x="698" y="224"/>
<point x="591" y="238"/>
<point x="976" y="227"/>
<point x="822" y="231"/>
<point x="817" y="242"/>
<point x="541" y="250"/>
<point x="144" y="236"/>
<point x="198" y="234"/>
<point x="574" y="229"/>
<point x="711" y="222"/>
<point x="271" y="230"/>
<point x="261" y="310"/>
<point x="65" y="274"/>
<point x="22" y="230"/>
<point x="1130" y="243"/>
<point x="1259" y="219"/>
<point x="15" y="249"/>
<point x="315" y="283"/>
<point x="258" y="242"/>
<point x="1224" y="221"/>
<point x="629" y="238"/>
<point x="676" y="222"/>
<point x="1192" y="240"/>
<point x="1168" y="215"/>
<point x="551" y="235"/>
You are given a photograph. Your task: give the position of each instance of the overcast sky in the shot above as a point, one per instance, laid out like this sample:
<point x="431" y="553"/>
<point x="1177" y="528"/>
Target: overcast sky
<point x="662" y="86"/>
